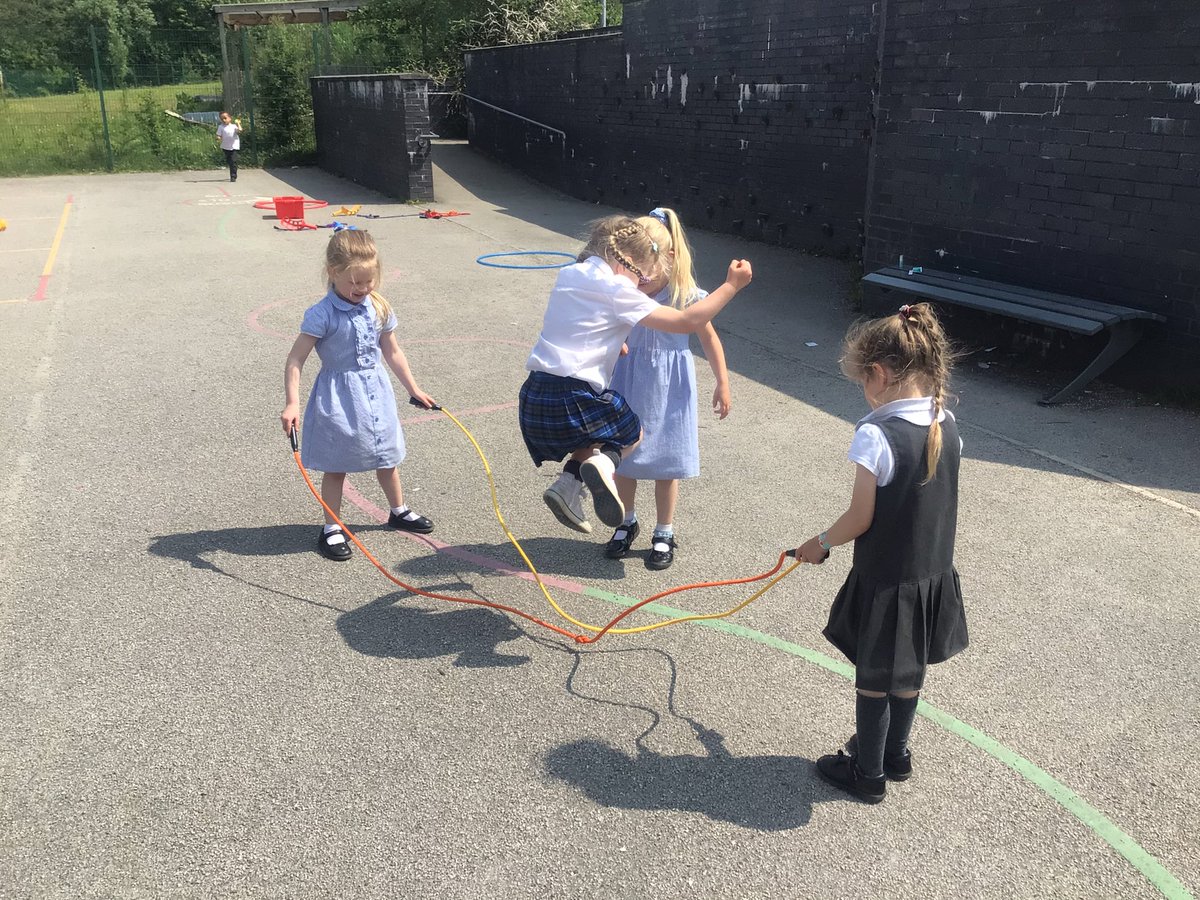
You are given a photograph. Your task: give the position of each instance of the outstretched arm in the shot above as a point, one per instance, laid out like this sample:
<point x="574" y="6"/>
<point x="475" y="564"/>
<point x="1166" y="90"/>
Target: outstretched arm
<point x="853" y="522"/>
<point x="290" y="417"/>
<point x="398" y="363"/>
<point x="700" y="313"/>
<point x="714" y="352"/>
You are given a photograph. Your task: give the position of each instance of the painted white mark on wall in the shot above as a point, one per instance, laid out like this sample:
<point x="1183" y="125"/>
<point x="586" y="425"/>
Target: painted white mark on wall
<point x="960" y="96"/>
<point x="768" y="34"/>
<point x="743" y="95"/>
<point x="989" y="115"/>
<point x="743" y="144"/>
<point x="1186" y="89"/>
<point x="946" y="59"/>
<point x="941" y="253"/>
<point x="670" y="81"/>
<point x="1167" y="125"/>
<point x="626" y="65"/>
<point x="824" y="167"/>
<point x="683" y="83"/>
<point x="1091" y="86"/>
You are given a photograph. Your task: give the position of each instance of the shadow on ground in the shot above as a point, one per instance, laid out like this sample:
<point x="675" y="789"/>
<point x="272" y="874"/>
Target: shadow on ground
<point x="390" y="628"/>
<point x="765" y="793"/>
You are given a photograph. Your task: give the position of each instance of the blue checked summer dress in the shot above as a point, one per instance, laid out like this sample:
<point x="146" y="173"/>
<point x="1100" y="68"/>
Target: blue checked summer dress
<point x="658" y="379"/>
<point x="350" y="423"/>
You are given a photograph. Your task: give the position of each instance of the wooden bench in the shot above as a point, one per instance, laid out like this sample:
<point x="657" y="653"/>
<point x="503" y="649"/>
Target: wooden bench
<point x="1074" y="314"/>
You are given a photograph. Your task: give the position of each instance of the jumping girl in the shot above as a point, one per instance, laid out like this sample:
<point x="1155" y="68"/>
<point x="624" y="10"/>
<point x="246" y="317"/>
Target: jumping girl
<point x="566" y="408"/>
<point x="350" y="423"/>
<point x="658" y="378"/>
<point x="901" y="606"/>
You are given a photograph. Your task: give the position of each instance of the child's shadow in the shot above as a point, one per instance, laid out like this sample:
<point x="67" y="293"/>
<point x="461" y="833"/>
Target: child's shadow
<point x="767" y="793"/>
<point x="388" y="628"/>
<point x="271" y="540"/>
<point x="562" y="556"/>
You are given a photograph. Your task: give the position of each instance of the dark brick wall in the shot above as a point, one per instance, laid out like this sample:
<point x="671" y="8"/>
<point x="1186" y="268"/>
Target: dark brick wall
<point x="751" y="118"/>
<point x="1054" y="145"/>
<point x="369" y="129"/>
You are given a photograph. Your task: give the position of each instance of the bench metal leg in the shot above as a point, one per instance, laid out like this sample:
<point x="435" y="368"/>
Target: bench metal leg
<point x="1121" y="337"/>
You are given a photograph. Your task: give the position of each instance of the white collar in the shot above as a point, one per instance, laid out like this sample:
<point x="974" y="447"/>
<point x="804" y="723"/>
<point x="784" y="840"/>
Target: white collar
<point x="909" y="408"/>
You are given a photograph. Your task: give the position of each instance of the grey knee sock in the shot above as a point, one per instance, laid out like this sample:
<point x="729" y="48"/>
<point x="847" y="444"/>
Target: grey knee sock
<point x="871" y="716"/>
<point x="903" y="711"/>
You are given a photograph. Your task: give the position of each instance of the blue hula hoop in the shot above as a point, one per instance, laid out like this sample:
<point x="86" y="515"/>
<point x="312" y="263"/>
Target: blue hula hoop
<point x="570" y="257"/>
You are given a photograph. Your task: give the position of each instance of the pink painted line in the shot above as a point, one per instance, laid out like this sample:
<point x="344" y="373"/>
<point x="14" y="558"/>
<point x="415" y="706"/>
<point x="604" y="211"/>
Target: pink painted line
<point x="254" y="325"/>
<point x="466" y="555"/>
<point x="225" y="192"/>
<point x="43" y="284"/>
<point x="435" y="416"/>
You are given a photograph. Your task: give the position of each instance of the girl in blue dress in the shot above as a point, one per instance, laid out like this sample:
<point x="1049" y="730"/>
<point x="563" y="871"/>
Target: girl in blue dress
<point x="658" y="378"/>
<point x="350" y="423"/>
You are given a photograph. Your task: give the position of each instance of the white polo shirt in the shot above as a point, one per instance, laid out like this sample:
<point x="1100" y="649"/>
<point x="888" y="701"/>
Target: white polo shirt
<point x="230" y="139"/>
<point x="871" y="450"/>
<point x="590" y="313"/>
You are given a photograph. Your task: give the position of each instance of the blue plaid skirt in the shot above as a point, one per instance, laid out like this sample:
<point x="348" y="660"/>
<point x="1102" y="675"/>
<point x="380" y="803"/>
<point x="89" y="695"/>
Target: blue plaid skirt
<point x="561" y="415"/>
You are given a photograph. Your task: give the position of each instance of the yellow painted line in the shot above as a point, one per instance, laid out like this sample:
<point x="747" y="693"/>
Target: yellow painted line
<point x="62" y="226"/>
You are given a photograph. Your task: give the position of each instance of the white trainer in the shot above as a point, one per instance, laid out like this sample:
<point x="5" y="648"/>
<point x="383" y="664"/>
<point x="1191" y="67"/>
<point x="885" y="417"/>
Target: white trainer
<point x="597" y="473"/>
<point x="565" y="499"/>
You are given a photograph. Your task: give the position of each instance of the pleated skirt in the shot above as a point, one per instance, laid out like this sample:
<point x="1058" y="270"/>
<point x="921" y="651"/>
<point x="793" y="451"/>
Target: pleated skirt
<point x="893" y="632"/>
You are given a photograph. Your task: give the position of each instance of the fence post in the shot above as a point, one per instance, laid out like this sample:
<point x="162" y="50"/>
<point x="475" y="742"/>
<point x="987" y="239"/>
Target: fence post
<point x="248" y="90"/>
<point x="100" y="89"/>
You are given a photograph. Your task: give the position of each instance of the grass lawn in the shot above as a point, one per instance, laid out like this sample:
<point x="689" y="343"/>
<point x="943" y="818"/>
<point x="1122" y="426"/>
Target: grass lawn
<point x="64" y="132"/>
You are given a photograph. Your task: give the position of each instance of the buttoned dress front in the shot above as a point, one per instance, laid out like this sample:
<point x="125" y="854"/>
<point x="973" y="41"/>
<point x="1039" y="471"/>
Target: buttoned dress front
<point x="350" y="422"/>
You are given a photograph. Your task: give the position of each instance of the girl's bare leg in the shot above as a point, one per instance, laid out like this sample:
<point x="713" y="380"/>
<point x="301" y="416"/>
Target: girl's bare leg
<point x="389" y="480"/>
<point x="331" y="492"/>
<point x="627" y="490"/>
<point x="666" y="495"/>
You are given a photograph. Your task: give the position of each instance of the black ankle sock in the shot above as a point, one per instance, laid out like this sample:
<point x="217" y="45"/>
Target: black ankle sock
<point x="902" y="711"/>
<point x="572" y="468"/>
<point x="613" y="452"/>
<point x="871" y="718"/>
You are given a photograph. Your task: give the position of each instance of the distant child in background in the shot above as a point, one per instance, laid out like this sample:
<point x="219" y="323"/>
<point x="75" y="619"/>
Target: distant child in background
<point x="901" y="607"/>
<point x="229" y="133"/>
<point x="350" y="423"/>
<point x="658" y="378"/>
<point x="566" y="406"/>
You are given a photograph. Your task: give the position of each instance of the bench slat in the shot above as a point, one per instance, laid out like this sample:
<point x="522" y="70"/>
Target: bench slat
<point x="1065" y="303"/>
<point x="1036" y="313"/>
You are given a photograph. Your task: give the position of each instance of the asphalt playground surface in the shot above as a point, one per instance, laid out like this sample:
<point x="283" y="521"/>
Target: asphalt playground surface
<point x="195" y="704"/>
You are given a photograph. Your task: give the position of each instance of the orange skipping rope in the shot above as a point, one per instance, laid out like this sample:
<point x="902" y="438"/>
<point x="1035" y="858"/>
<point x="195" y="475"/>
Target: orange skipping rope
<point x="598" y="631"/>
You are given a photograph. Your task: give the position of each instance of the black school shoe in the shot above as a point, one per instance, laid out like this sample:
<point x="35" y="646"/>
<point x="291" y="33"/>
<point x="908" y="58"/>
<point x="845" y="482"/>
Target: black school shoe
<point x="419" y="525"/>
<point x="662" y="559"/>
<point x="619" y="546"/>
<point x="339" y="552"/>
<point x="842" y="772"/>
<point x="897" y="768"/>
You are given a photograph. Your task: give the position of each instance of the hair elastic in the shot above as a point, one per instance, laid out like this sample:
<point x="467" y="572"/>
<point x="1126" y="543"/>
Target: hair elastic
<point x="659" y="213"/>
<point x="906" y="312"/>
<point x="654" y="246"/>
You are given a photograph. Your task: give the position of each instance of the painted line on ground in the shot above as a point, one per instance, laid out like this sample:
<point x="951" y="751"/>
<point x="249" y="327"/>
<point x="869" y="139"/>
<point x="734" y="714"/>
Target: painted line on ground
<point x="1099" y="824"/>
<point x="48" y="269"/>
<point x="1015" y="442"/>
